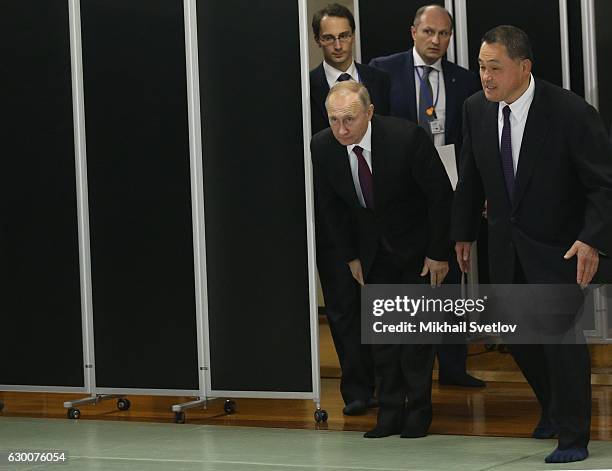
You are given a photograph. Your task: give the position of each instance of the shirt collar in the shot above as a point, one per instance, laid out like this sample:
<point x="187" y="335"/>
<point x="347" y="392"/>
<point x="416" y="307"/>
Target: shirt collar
<point x="366" y="141"/>
<point x="332" y="74"/>
<point x="520" y="107"/>
<point x="418" y="61"/>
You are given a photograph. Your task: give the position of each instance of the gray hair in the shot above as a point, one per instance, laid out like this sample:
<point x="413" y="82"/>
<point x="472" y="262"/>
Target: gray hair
<point x="350" y="86"/>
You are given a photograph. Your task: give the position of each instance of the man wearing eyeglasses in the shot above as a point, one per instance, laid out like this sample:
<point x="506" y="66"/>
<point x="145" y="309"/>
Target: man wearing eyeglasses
<point x="429" y="90"/>
<point x="334" y="32"/>
<point x="334" y="28"/>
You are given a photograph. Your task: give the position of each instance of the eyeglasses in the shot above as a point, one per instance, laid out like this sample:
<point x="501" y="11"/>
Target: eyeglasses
<point x="328" y="39"/>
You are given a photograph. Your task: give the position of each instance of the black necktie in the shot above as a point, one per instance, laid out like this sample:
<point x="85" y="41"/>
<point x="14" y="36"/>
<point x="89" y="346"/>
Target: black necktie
<point x="425" y="100"/>
<point x="506" y="153"/>
<point x="344" y="77"/>
<point x="365" y="178"/>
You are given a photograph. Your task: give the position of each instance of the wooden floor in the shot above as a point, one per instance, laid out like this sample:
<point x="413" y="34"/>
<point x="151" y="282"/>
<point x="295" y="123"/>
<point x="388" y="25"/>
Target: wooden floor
<point x="503" y="408"/>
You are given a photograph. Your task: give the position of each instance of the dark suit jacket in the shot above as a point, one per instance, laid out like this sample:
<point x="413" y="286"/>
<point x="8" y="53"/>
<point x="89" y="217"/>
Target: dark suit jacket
<point x="459" y="84"/>
<point x="412" y="195"/>
<point x="376" y="82"/>
<point x="563" y="186"/>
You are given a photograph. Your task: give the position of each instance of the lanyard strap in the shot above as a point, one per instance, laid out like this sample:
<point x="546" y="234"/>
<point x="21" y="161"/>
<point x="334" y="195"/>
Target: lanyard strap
<point x="423" y="84"/>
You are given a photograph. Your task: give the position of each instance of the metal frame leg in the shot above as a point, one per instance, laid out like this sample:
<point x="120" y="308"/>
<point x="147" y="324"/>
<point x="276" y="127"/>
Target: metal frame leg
<point x="73" y="409"/>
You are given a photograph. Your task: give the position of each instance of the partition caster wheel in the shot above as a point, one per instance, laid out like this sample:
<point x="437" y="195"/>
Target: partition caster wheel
<point x="74" y="413"/>
<point x="1" y="406"/>
<point x="179" y="417"/>
<point x="123" y="404"/>
<point x="320" y="415"/>
<point x="229" y="407"/>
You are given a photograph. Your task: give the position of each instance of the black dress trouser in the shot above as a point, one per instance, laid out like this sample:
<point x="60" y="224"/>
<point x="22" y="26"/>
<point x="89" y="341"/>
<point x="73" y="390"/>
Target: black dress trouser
<point x="341" y="293"/>
<point x="404" y="372"/>
<point x="452" y="357"/>
<point x="560" y="376"/>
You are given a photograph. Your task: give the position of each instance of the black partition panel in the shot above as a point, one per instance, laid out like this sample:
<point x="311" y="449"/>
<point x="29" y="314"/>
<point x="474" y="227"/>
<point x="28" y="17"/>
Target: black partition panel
<point x="253" y="162"/>
<point x="40" y="312"/>
<point x="539" y="19"/>
<point x="385" y="26"/>
<point x="603" y="17"/>
<point x="139" y="194"/>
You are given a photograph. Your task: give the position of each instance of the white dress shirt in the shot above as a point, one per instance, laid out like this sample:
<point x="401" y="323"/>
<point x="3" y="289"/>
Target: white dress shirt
<point x="366" y="145"/>
<point x="332" y="74"/>
<point x="435" y="76"/>
<point x="519" y="110"/>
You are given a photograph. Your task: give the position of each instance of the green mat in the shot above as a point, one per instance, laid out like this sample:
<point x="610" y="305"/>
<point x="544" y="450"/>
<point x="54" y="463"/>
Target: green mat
<point x="111" y="445"/>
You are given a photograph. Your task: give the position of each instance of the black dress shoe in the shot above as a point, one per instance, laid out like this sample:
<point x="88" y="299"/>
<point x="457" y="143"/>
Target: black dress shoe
<point x="465" y="381"/>
<point x="380" y="432"/>
<point x="357" y="407"/>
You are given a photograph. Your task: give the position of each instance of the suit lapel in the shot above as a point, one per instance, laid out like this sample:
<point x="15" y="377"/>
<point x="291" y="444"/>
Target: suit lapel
<point x="409" y="88"/>
<point x="379" y="163"/>
<point x="450" y="92"/>
<point x="319" y="88"/>
<point x="342" y="174"/>
<point x="534" y="135"/>
<point x="364" y="75"/>
<point x="490" y="132"/>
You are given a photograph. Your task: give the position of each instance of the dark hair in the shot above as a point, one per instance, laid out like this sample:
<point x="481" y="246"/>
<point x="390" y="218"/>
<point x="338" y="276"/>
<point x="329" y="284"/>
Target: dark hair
<point x="333" y="9"/>
<point x="515" y="39"/>
<point x="420" y="11"/>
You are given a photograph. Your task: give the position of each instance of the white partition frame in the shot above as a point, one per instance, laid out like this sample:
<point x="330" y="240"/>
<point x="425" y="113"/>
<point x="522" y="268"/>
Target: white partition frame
<point x="589" y="52"/>
<point x="357" y="30"/>
<point x="197" y="218"/>
<point x="82" y="213"/>
<point x="565" y="52"/>
<point x="97" y="394"/>
<point x="450" y="53"/>
<point x="80" y="147"/>
<point x="315" y="394"/>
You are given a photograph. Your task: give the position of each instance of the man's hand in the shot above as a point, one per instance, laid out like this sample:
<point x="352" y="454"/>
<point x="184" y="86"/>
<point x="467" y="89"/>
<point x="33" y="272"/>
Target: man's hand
<point x="588" y="262"/>
<point x="356" y="270"/>
<point x="437" y="270"/>
<point x="462" y="249"/>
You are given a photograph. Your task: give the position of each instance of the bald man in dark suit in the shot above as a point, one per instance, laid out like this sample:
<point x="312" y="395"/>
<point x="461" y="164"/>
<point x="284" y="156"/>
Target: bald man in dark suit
<point x="450" y="86"/>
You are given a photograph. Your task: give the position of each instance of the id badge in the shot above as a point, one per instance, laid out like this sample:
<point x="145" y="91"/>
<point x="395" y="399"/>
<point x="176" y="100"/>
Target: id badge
<point x="436" y="126"/>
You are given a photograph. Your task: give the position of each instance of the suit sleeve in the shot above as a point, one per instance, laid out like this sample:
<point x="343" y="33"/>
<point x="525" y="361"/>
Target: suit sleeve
<point x="430" y="175"/>
<point x="331" y="210"/>
<point x="593" y="160"/>
<point x="374" y="63"/>
<point x="468" y="200"/>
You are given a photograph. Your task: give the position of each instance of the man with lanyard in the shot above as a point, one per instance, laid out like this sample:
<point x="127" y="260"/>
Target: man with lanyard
<point x="428" y="90"/>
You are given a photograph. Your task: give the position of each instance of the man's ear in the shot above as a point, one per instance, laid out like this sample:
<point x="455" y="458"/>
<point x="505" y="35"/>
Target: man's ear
<point x="413" y="32"/>
<point x="370" y="111"/>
